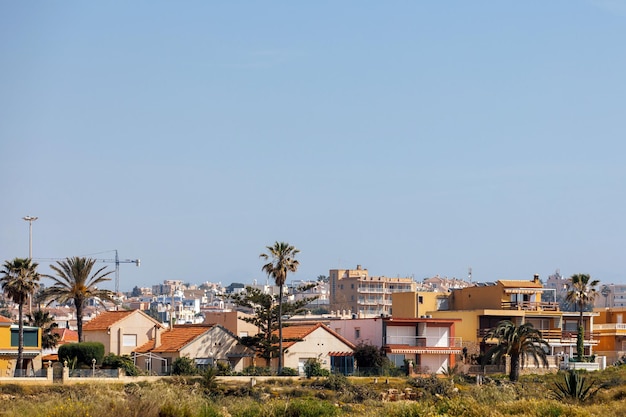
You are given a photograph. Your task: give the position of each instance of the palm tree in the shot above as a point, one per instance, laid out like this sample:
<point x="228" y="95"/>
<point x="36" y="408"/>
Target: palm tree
<point x="518" y="342"/>
<point x="46" y="323"/>
<point x="282" y="260"/>
<point x="19" y="280"/>
<point x="75" y="282"/>
<point x="581" y="293"/>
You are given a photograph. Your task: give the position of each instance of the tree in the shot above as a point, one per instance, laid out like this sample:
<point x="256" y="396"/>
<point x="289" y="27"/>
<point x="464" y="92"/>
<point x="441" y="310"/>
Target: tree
<point x="369" y="359"/>
<point x="281" y="258"/>
<point x="46" y="323"/>
<point x="75" y="282"/>
<point x="19" y="280"/>
<point x="322" y="278"/>
<point x="265" y="318"/>
<point x="581" y="293"/>
<point x="518" y="342"/>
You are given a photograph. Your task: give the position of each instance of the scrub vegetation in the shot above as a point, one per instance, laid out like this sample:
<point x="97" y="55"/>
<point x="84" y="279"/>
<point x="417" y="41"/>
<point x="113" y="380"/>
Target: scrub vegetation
<point x="560" y="394"/>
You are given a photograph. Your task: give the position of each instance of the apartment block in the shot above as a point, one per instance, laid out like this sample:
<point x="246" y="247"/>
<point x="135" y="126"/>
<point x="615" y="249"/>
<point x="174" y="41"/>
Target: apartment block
<point x="355" y="291"/>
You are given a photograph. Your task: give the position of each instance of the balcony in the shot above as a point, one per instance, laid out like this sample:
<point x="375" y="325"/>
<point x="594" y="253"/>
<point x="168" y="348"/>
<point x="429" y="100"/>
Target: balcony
<point x="555" y="335"/>
<point x="530" y="306"/>
<point x="424" y="341"/>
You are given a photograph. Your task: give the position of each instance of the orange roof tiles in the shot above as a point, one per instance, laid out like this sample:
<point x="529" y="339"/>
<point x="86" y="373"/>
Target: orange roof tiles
<point x="5" y="320"/>
<point x="300" y="332"/>
<point x="66" y="335"/>
<point x="105" y="320"/>
<point x="175" y="339"/>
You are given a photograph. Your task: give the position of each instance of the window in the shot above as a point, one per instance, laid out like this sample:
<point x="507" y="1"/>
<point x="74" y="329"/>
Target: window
<point x="243" y="334"/>
<point x="31" y="337"/>
<point x="357" y="333"/>
<point x="129" y="340"/>
<point x="351" y="286"/>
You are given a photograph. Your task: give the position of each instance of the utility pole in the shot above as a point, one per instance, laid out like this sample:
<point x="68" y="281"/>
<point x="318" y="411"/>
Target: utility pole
<point x="30" y="220"/>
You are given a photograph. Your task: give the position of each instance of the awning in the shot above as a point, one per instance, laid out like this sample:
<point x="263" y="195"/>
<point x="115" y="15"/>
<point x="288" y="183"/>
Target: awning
<point x="340" y="354"/>
<point x="442" y="351"/>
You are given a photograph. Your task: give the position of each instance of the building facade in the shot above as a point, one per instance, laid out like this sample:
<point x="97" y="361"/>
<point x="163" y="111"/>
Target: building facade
<point x="355" y="291"/>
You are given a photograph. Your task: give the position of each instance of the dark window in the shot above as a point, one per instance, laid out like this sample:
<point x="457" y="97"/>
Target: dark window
<point x="30" y="337"/>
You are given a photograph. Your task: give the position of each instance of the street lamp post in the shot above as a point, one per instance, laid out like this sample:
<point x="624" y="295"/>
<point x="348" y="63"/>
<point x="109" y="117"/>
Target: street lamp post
<point x="30" y="220"/>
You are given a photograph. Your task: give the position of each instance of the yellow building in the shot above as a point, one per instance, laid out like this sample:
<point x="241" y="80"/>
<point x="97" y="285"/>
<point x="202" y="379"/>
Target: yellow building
<point x="483" y="306"/>
<point x="9" y="334"/>
<point x="354" y="291"/>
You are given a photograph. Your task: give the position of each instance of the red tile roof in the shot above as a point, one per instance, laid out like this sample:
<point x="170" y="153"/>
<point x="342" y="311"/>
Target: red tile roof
<point x="300" y="332"/>
<point x="5" y="320"/>
<point x="66" y="335"/>
<point x="175" y="339"/>
<point x="108" y="318"/>
<point x="105" y="320"/>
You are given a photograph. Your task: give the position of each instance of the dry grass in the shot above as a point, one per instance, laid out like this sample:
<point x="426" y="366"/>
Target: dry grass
<point x="361" y="397"/>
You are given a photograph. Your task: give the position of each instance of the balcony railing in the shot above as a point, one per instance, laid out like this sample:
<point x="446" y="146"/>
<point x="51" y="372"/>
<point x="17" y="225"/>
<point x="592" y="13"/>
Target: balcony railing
<point x="424" y="341"/>
<point x="530" y="306"/>
<point x="554" y="334"/>
<point x="611" y="326"/>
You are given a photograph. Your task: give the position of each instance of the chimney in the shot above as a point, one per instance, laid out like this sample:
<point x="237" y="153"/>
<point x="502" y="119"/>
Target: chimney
<point x="157" y="336"/>
<point x="536" y="279"/>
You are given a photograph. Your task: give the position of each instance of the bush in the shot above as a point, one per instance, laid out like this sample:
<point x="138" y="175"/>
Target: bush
<point x="257" y="371"/>
<point x="309" y="407"/>
<point x="289" y="372"/>
<point x="313" y="367"/>
<point x="184" y="366"/>
<point x="83" y="352"/>
<point x="113" y="361"/>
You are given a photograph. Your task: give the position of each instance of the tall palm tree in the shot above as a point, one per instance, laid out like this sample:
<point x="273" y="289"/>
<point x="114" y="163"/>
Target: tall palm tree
<point x="75" y="282"/>
<point x="518" y="342"/>
<point x="46" y="323"/>
<point x="19" y="280"/>
<point x="581" y="293"/>
<point x="281" y="258"/>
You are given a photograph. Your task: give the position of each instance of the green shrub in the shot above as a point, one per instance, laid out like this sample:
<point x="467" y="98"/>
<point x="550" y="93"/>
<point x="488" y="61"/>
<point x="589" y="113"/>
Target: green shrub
<point x="257" y="371"/>
<point x="433" y="385"/>
<point x="289" y="372"/>
<point x="309" y="407"/>
<point x="113" y="361"/>
<point x="184" y="366"/>
<point x="83" y="352"/>
<point x="313" y="367"/>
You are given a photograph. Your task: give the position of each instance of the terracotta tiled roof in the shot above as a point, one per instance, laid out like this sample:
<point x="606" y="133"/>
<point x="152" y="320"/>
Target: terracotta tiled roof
<point x="301" y="332"/>
<point x="175" y="339"/>
<point x="5" y="320"/>
<point x="66" y="335"/>
<point x="105" y="320"/>
<point x="108" y="318"/>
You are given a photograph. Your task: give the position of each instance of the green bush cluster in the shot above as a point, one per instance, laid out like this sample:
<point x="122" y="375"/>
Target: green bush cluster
<point x="82" y="352"/>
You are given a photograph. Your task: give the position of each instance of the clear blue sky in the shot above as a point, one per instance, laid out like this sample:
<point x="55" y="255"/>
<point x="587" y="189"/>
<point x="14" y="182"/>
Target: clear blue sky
<point x="411" y="137"/>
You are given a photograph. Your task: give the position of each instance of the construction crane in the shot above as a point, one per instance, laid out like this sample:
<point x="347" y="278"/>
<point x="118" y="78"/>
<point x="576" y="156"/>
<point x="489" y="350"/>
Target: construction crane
<point x="117" y="261"/>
